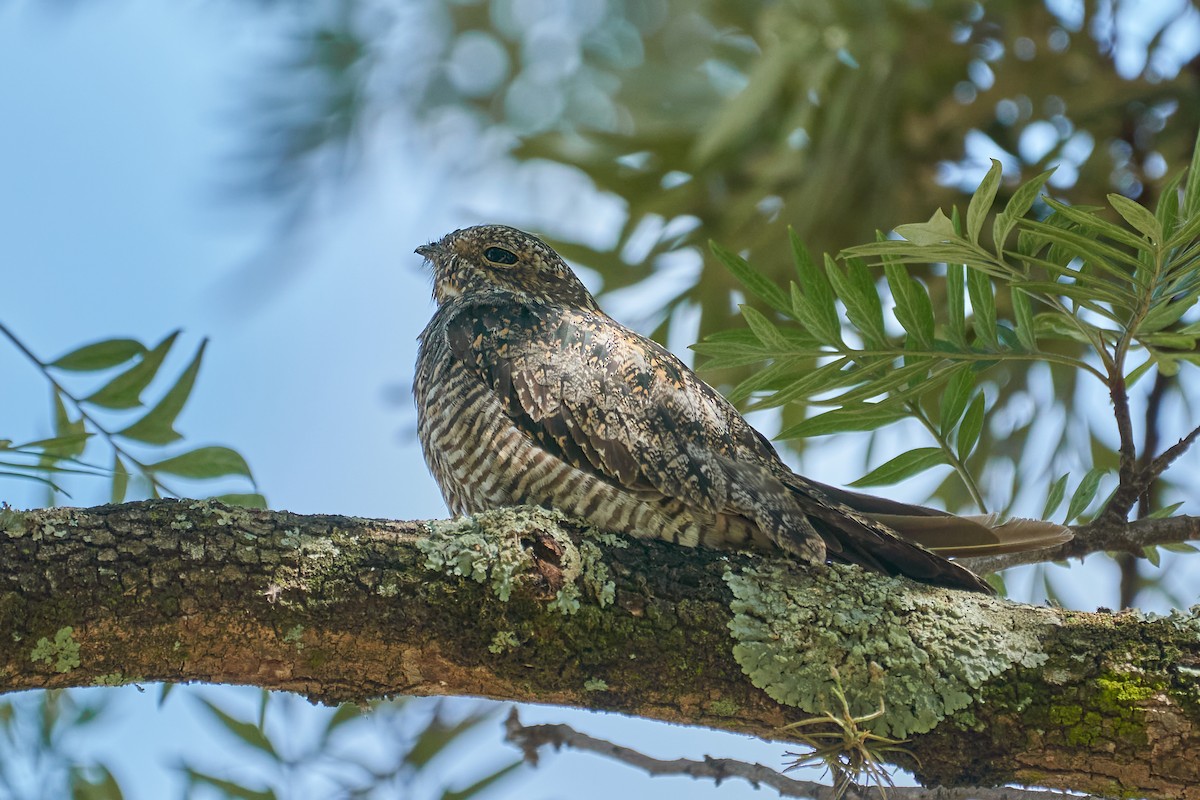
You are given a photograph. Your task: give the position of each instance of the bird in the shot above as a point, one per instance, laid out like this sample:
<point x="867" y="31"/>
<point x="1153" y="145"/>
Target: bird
<point x="528" y="393"/>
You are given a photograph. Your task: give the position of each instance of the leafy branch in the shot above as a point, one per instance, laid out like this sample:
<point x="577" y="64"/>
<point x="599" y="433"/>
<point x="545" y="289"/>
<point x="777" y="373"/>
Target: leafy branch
<point x="79" y="417"/>
<point x="1077" y="292"/>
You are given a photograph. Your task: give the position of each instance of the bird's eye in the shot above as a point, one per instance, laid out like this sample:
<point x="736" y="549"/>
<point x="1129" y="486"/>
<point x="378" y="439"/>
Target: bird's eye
<point x="498" y="255"/>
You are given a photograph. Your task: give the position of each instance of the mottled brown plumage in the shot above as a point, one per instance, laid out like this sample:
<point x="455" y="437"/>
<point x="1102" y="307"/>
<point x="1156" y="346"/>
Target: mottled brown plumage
<point x="528" y="393"/>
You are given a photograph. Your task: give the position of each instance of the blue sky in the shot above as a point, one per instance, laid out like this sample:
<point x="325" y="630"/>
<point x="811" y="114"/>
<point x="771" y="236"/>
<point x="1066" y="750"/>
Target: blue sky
<point x="117" y="118"/>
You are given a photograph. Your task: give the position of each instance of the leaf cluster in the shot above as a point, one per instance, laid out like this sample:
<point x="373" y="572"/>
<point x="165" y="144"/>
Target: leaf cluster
<point x="422" y="738"/>
<point x="1108" y="300"/>
<point x="136" y="425"/>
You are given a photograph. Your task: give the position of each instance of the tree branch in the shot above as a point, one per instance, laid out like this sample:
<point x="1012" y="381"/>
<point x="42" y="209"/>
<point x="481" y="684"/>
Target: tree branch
<point x="521" y="604"/>
<point x="531" y="738"/>
<point x="1132" y="537"/>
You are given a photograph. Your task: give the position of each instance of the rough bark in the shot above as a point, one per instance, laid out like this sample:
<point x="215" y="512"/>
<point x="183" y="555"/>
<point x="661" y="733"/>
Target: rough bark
<point x="523" y="605"/>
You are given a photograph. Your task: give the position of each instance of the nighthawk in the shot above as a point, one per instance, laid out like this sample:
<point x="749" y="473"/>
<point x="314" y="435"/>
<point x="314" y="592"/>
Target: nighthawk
<point x="528" y="393"/>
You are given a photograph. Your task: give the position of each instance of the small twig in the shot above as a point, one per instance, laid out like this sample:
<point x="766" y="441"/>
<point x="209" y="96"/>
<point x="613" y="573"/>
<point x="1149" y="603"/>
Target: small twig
<point x="1129" y="476"/>
<point x="1121" y="537"/>
<point x="532" y="737"/>
<point x="1159" y="465"/>
<point x="1150" y="440"/>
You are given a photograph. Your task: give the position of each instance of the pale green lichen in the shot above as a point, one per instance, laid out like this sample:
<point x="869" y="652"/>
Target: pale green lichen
<point x="722" y="708"/>
<point x="502" y="642"/>
<point x="314" y="547"/>
<point x="295" y="637"/>
<point x="461" y="547"/>
<point x="594" y="573"/>
<point x="12" y="522"/>
<point x="114" y="679"/>
<point x="923" y="653"/>
<point x="595" y="685"/>
<point x="487" y="548"/>
<point x="63" y="652"/>
<point x="566" y="600"/>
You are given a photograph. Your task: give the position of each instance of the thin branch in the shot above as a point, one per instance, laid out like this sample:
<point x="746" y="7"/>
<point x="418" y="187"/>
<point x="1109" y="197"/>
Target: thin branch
<point x="1132" y="537"/>
<point x="530" y="738"/>
<point x="1159" y="465"/>
<point x="1129" y="488"/>
<point x="956" y="463"/>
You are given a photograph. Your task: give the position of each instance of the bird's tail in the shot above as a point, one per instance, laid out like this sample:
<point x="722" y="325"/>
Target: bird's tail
<point x="898" y="538"/>
<point x="951" y="535"/>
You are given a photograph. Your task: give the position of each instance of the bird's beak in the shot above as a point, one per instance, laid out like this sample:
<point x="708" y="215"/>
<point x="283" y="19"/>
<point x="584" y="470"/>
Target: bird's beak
<point x="427" y="251"/>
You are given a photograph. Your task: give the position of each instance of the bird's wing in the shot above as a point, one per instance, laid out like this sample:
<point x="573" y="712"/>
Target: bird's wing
<point x="604" y="399"/>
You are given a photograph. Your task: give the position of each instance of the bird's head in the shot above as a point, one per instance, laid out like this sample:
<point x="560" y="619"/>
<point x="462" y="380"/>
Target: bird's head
<point x="490" y="260"/>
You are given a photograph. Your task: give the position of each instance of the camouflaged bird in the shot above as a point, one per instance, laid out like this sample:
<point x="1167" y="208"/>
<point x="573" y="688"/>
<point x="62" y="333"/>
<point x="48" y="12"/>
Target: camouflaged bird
<point x="528" y="393"/>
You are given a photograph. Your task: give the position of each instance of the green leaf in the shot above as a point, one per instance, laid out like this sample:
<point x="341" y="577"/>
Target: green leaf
<point x="1018" y="206"/>
<point x="204" y="462"/>
<point x="789" y="387"/>
<point x="1023" y="318"/>
<point x="983" y="307"/>
<point x="1167" y="209"/>
<point x="247" y="732"/>
<point x="101" y="787"/>
<point x="1061" y="326"/>
<point x="955" y="396"/>
<point x="346" y="712"/>
<point x="1177" y="341"/>
<point x="903" y="466"/>
<point x="863" y="417"/>
<point x="956" y="328"/>
<point x="1084" y="494"/>
<point x="971" y="427"/>
<point x="482" y="784"/>
<point x="1164" y="512"/>
<point x="1138" y="216"/>
<point x="774" y="376"/>
<point x="31" y="477"/>
<point x="1150" y="552"/>
<point x="857" y="289"/>
<point x="1092" y="226"/>
<point x="99" y="355"/>
<point x="226" y="787"/>
<point x="1191" y="188"/>
<point x="981" y="201"/>
<point x="752" y="279"/>
<point x="765" y="330"/>
<point x="120" y="479"/>
<point x="809" y="316"/>
<point x="243" y="500"/>
<point x="913" y="310"/>
<point x="1053" y="500"/>
<point x="125" y="390"/>
<point x="72" y="434"/>
<point x="937" y="230"/>
<point x="738" y="116"/>
<point x="817" y="290"/>
<point x="157" y="426"/>
<point x="437" y="736"/>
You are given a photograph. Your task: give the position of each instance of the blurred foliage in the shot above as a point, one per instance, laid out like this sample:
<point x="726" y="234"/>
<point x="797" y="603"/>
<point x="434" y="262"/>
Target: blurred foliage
<point x="288" y="750"/>
<point x="133" y="430"/>
<point x="40" y="733"/>
<point x="401" y="748"/>
<point x="728" y="120"/>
